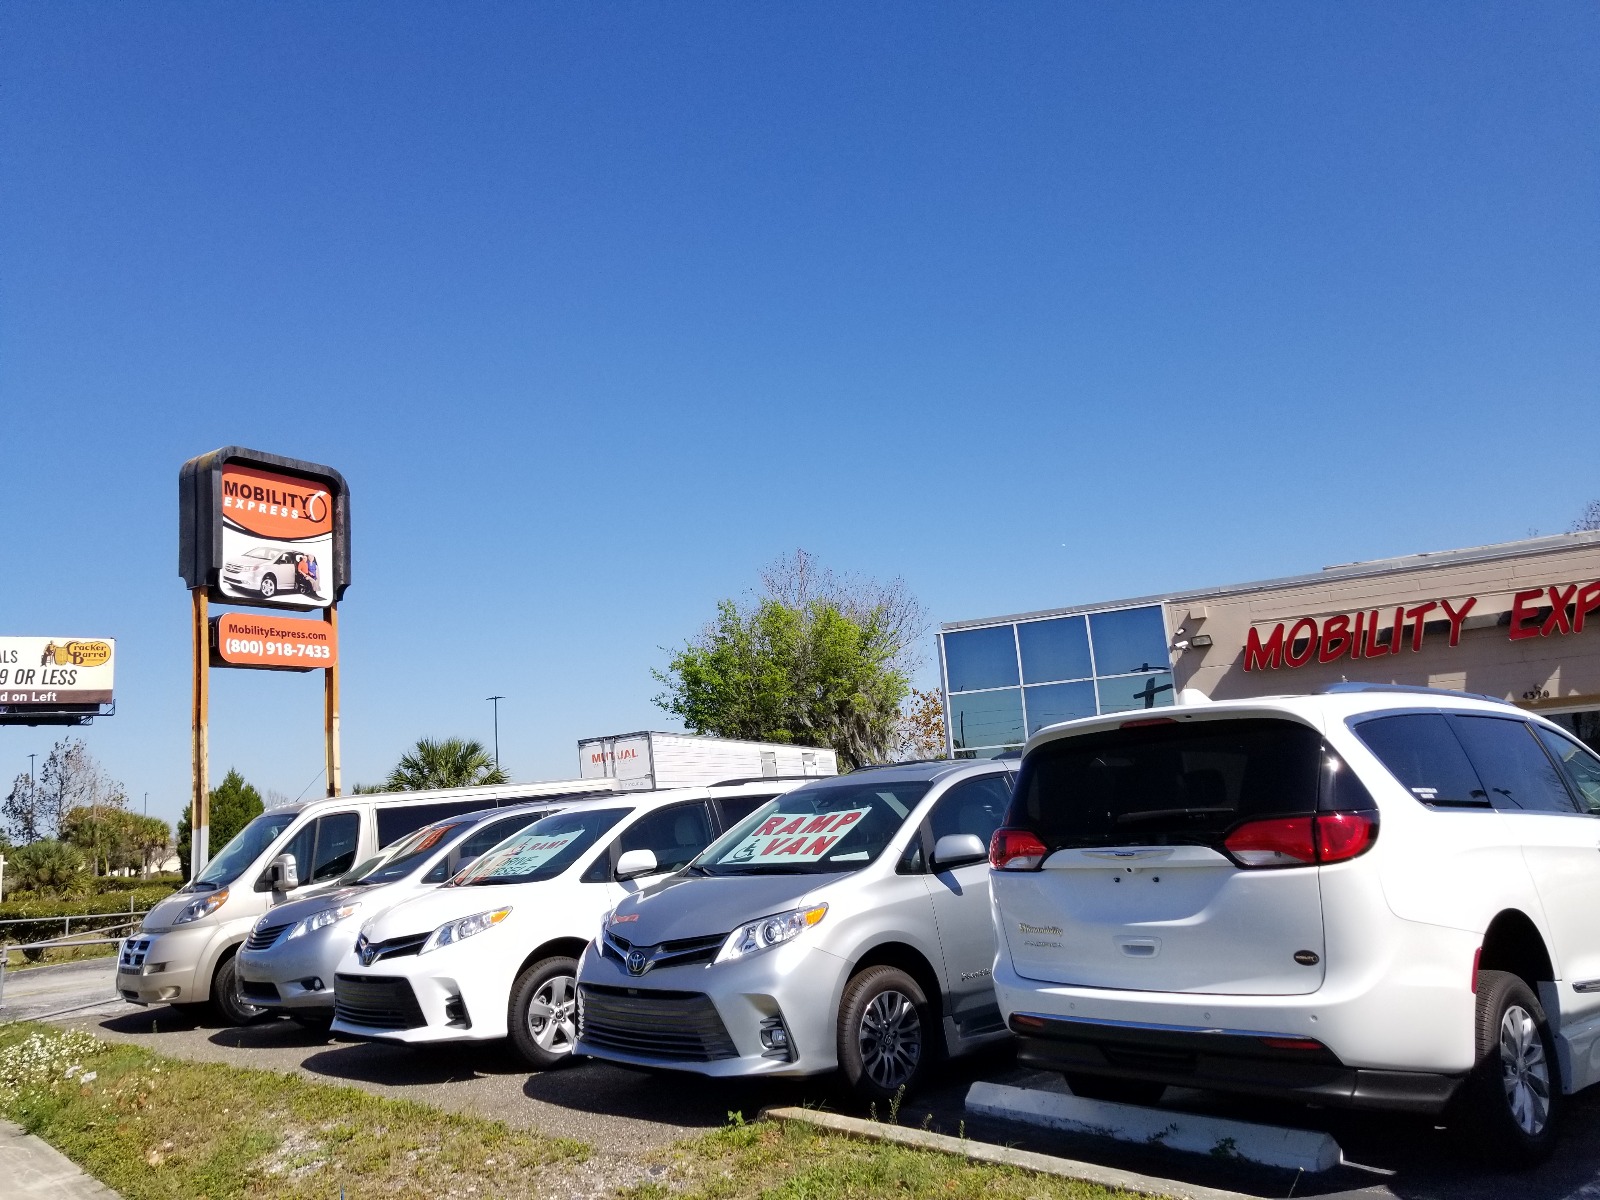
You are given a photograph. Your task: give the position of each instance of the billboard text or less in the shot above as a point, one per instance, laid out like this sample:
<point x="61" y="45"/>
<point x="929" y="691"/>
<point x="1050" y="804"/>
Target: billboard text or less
<point x="52" y="672"/>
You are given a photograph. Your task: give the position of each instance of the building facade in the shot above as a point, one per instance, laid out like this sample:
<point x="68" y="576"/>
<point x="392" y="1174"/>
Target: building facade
<point x="1518" y="621"/>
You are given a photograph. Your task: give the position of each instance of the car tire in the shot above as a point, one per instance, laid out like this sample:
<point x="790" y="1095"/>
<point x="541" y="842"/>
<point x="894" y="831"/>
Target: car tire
<point x="886" y="1033"/>
<point x="1506" y="1110"/>
<point x="543" y="1012"/>
<point x="269" y="586"/>
<point x="1118" y="1091"/>
<point x="225" y="999"/>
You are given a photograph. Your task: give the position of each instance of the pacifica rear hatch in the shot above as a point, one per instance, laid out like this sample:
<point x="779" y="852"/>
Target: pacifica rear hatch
<point x="1177" y="856"/>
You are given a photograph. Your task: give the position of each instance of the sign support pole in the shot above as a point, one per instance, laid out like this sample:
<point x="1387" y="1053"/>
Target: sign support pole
<point x="330" y="703"/>
<point x="200" y="802"/>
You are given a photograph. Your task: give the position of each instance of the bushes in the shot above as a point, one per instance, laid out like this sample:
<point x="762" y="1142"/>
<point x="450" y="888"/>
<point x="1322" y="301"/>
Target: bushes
<point x="46" y="867"/>
<point x="49" y="911"/>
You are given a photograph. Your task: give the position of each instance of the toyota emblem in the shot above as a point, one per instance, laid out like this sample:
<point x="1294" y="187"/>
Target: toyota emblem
<point x="365" y="951"/>
<point x="638" y="963"/>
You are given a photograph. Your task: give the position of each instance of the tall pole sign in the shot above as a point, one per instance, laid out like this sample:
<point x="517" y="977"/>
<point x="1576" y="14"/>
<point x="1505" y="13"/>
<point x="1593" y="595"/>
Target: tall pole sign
<point x="262" y="531"/>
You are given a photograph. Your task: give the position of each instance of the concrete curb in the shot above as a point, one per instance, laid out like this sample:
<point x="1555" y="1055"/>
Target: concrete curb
<point x="1003" y="1156"/>
<point x="1269" y="1145"/>
<point x="35" y="1170"/>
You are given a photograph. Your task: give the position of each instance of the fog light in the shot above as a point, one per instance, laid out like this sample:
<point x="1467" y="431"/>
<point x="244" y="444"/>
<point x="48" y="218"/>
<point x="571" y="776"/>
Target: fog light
<point x="775" y="1039"/>
<point x="314" y="984"/>
<point x="455" y="1012"/>
<point x="168" y="993"/>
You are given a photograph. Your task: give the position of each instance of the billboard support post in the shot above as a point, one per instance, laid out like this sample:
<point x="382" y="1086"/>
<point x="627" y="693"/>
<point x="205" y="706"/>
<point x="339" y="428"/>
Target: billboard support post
<point x="200" y="802"/>
<point x="330" y="703"/>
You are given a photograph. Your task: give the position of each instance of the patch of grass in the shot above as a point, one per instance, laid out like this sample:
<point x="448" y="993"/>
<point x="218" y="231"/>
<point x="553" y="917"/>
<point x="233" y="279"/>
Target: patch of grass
<point x="791" y="1161"/>
<point x="15" y="961"/>
<point x="157" y="1128"/>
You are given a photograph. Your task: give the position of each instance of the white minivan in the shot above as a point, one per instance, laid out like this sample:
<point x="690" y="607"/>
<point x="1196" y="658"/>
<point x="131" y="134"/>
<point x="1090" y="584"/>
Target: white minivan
<point x="184" y="951"/>
<point x="1379" y="897"/>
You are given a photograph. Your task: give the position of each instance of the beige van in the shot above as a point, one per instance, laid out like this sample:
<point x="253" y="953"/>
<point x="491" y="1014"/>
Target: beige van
<point x="183" y="953"/>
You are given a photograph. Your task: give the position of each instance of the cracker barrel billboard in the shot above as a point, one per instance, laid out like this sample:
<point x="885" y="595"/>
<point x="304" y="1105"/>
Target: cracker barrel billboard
<point x="285" y="643"/>
<point x="259" y="529"/>
<point x="56" y="672"/>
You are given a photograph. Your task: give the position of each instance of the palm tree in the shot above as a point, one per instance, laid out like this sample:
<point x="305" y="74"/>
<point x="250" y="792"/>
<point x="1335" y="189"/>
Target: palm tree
<point x="445" y="764"/>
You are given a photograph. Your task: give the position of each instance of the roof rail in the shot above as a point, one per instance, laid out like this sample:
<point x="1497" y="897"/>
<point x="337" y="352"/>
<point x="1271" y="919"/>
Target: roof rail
<point x="762" y="779"/>
<point x="1348" y="687"/>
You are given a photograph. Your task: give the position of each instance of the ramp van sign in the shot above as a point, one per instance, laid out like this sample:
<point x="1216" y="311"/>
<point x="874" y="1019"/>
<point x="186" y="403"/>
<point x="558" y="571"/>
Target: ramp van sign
<point x="53" y="672"/>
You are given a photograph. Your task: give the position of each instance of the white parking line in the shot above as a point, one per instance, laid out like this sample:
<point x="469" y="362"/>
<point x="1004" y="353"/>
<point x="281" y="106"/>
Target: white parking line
<point x="1269" y="1145"/>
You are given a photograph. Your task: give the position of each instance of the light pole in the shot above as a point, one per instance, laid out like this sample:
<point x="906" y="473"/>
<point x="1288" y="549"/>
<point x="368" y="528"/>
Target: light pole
<point x="31" y="757"/>
<point x="496" y="700"/>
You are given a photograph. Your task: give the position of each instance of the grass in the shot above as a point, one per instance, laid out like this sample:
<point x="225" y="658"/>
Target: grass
<point x="791" y="1161"/>
<point x="154" y="1127"/>
<point x="15" y="961"/>
<point x="157" y="1128"/>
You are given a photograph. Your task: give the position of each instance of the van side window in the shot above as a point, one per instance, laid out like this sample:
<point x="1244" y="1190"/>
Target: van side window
<point x="397" y="819"/>
<point x="301" y="847"/>
<point x="1577" y="763"/>
<point x="337" y="835"/>
<point x="1427" y="759"/>
<point x="675" y="835"/>
<point x="977" y="806"/>
<point x="1518" y="774"/>
<point x="737" y="808"/>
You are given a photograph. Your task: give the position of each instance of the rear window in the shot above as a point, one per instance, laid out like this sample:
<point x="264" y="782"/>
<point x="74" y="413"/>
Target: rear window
<point x="1184" y="783"/>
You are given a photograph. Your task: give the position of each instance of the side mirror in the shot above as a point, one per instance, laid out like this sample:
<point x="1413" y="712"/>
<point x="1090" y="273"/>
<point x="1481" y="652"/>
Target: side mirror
<point x="954" y="849"/>
<point x="634" y="863"/>
<point x="284" y="873"/>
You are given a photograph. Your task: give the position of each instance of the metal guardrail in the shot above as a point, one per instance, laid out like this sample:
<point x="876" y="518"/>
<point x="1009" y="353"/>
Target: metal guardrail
<point x="129" y="921"/>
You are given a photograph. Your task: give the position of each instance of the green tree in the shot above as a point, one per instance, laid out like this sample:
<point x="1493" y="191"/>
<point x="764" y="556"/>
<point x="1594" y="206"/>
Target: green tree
<point x="45" y="868"/>
<point x="1588" y="519"/>
<point x="448" y="763"/>
<point x="817" y="660"/>
<point x="234" y="804"/>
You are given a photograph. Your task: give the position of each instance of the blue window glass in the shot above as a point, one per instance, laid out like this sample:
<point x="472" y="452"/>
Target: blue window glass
<point x="986" y="719"/>
<point x="1131" y="639"/>
<point x="1135" y="691"/>
<point x="981" y="658"/>
<point x="1052" y="650"/>
<point x="1055" y="702"/>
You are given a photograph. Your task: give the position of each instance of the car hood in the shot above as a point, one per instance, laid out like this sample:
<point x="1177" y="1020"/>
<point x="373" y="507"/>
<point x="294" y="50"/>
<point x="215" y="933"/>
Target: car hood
<point x="163" y="914"/>
<point x="294" y="910"/>
<point x="695" y="906"/>
<point x="426" y="912"/>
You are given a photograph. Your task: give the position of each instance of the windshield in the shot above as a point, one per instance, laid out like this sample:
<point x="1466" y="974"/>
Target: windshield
<point x="411" y="852"/>
<point x="243" y="850"/>
<point x="815" y="830"/>
<point x="541" y="851"/>
<point x="258" y="552"/>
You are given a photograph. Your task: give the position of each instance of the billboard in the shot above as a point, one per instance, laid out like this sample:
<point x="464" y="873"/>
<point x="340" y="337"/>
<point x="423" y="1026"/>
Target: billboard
<point x="282" y="643"/>
<point x="260" y="529"/>
<point x="56" y="673"/>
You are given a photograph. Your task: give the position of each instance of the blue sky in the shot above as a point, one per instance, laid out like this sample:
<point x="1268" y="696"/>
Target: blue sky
<point x="600" y="307"/>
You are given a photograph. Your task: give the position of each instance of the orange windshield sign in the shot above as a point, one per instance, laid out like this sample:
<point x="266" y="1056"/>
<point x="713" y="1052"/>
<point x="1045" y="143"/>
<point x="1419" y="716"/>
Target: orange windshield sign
<point x="293" y="643"/>
<point x="275" y="506"/>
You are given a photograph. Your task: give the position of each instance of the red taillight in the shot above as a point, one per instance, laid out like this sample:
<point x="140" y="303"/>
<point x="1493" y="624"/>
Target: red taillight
<point x="1015" y="850"/>
<point x="1139" y="722"/>
<point x="1298" y="841"/>
<point x="1292" y="1043"/>
<point x="1341" y="836"/>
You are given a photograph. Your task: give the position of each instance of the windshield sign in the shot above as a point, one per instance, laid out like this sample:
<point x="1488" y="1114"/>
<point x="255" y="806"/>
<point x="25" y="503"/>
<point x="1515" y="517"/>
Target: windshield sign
<point x="411" y="852"/>
<point x="541" y="851"/>
<point x="828" y="828"/>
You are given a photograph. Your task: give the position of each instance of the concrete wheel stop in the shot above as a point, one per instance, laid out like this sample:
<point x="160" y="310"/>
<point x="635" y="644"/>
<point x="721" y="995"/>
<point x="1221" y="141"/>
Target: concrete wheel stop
<point x="1265" y="1145"/>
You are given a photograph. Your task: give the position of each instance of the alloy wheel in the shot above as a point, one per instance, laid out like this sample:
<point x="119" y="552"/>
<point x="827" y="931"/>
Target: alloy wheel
<point x="890" y="1038"/>
<point x="552" y="1015"/>
<point x="1526" y="1070"/>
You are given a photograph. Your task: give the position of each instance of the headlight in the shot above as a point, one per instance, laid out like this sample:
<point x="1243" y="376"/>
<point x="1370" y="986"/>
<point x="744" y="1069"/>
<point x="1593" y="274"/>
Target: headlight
<point x="769" y="932"/>
<point x="319" y="920"/>
<point x="202" y="907"/>
<point x="456" y="931"/>
<point x="600" y="934"/>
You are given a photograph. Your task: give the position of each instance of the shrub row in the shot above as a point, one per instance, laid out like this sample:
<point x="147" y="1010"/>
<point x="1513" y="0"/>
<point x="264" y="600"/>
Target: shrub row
<point x="50" y="911"/>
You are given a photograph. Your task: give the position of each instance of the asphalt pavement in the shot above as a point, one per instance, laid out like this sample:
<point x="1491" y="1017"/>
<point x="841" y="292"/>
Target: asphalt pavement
<point x="626" y="1114"/>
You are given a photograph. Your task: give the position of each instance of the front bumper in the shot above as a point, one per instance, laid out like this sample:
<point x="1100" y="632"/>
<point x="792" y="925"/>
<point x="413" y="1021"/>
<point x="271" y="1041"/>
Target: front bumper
<point x="458" y="994"/>
<point x="164" y="968"/>
<point x="295" y="974"/>
<point x="648" y="1021"/>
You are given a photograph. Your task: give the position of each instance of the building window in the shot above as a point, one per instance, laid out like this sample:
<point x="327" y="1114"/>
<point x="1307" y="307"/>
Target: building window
<point x="1070" y="667"/>
<point x="976" y="659"/>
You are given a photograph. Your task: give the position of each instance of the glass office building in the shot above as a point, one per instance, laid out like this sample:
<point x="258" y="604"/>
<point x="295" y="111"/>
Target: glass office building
<point x="1004" y="680"/>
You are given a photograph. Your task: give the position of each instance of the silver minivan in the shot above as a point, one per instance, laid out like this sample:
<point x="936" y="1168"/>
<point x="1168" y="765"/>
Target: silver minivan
<point x="844" y="926"/>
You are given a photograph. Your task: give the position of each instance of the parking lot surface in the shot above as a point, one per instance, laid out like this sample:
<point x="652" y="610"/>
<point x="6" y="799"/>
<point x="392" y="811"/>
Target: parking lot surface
<point x="626" y="1115"/>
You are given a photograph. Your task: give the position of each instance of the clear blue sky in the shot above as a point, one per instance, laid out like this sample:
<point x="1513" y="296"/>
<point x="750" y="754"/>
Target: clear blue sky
<point x="601" y="307"/>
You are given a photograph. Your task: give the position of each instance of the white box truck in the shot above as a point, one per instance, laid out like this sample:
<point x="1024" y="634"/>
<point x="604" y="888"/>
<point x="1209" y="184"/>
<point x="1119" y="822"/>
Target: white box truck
<point x="639" y="761"/>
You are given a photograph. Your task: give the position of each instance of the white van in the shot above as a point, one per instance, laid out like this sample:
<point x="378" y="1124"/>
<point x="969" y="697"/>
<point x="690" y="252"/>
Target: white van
<point x="183" y="953"/>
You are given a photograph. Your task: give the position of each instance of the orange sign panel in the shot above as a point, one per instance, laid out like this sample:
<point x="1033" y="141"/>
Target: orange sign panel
<point x="275" y="506"/>
<point x="292" y="643"/>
